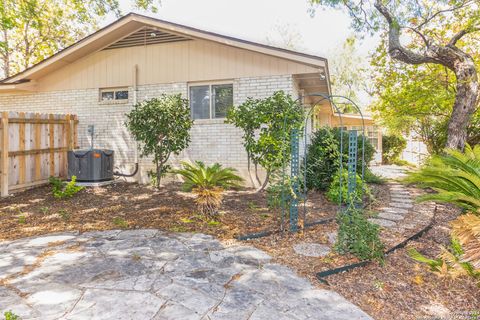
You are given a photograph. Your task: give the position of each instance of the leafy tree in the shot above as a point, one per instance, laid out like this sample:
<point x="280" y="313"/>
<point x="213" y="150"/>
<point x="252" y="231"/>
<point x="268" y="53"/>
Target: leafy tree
<point x="392" y="147"/>
<point x="162" y="126"/>
<point x="31" y="30"/>
<point x="427" y="26"/>
<point x="267" y="125"/>
<point x="418" y="99"/>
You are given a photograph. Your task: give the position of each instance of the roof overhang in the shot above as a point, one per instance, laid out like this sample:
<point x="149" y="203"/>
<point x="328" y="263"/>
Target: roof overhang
<point x="130" y="24"/>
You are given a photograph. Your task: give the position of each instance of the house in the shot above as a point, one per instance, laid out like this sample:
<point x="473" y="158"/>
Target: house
<point x="102" y="76"/>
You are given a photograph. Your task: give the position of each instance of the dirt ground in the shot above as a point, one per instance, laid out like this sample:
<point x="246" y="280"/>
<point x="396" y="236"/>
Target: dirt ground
<point x="401" y="288"/>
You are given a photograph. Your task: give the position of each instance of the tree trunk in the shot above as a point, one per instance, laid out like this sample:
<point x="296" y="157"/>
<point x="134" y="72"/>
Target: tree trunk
<point x="265" y="183"/>
<point x="158" y="174"/>
<point x="465" y="103"/>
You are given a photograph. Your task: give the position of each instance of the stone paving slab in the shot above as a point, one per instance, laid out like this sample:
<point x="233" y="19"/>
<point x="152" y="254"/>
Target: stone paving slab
<point x="383" y="222"/>
<point x="150" y="274"/>
<point x="390" y="216"/>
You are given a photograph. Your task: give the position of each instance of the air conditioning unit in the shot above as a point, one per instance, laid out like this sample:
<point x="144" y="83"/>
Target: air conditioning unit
<point x="91" y="165"/>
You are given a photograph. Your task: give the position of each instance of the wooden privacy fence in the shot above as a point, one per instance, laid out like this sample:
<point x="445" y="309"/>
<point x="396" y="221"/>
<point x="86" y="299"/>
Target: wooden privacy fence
<point x="34" y="147"/>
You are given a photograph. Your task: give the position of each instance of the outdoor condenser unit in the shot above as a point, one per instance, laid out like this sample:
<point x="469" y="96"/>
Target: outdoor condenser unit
<point x="90" y="165"/>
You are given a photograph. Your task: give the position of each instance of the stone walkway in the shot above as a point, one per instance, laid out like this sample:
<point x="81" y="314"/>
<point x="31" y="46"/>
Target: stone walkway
<point x="149" y="274"/>
<point x="401" y="203"/>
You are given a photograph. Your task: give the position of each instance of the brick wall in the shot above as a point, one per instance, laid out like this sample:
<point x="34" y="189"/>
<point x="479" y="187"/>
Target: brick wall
<point x="212" y="140"/>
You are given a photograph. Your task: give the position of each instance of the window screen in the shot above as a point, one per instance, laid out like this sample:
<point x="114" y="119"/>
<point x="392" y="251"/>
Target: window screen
<point x="223" y="99"/>
<point x="200" y="102"/>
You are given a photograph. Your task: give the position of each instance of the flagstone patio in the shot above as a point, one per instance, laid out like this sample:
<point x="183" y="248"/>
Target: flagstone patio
<point x="150" y="274"/>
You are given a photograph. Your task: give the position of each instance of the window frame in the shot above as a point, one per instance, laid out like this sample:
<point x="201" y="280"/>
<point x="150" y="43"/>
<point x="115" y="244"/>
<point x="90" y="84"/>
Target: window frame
<point x="211" y="111"/>
<point x="114" y="91"/>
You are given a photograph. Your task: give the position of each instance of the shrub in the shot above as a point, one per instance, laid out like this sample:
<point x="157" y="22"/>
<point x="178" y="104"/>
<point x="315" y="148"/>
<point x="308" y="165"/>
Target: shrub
<point x="162" y="126"/>
<point x="323" y="156"/>
<point x="455" y="176"/>
<point x="358" y="236"/>
<point x="61" y="189"/>
<point x="392" y="147"/>
<point x="267" y="125"/>
<point x="333" y="193"/>
<point x="208" y="183"/>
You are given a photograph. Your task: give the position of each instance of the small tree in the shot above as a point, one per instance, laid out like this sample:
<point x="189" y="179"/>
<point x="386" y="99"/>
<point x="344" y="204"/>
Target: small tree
<point x="267" y="124"/>
<point x="162" y="126"/>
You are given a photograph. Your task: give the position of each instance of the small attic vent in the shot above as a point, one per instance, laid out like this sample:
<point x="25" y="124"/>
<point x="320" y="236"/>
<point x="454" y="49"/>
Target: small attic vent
<point x="146" y="36"/>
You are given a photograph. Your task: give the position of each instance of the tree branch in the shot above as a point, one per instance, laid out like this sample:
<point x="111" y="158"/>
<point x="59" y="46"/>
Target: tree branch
<point x="460" y="34"/>
<point x="396" y="50"/>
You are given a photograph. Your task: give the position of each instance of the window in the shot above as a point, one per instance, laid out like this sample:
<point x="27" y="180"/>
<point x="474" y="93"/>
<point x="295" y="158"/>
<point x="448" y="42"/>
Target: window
<point x="120" y="94"/>
<point x="210" y="101"/>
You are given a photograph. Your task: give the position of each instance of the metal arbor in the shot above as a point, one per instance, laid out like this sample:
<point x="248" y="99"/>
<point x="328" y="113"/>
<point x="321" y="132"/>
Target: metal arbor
<point x="298" y="173"/>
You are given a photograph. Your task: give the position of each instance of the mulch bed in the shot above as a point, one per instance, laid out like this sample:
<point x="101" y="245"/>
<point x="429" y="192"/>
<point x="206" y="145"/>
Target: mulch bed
<point x="401" y="289"/>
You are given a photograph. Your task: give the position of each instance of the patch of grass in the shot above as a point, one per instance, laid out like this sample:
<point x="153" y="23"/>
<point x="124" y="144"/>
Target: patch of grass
<point x="178" y="229"/>
<point x="213" y="223"/>
<point x="264" y="216"/>
<point x="186" y="220"/>
<point x="22" y="219"/>
<point x="379" y="285"/>
<point x="136" y="257"/>
<point x="120" y="222"/>
<point x="45" y="210"/>
<point x="64" y="214"/>
<point x="253" y="206"/>
<point x="9" y="315"/>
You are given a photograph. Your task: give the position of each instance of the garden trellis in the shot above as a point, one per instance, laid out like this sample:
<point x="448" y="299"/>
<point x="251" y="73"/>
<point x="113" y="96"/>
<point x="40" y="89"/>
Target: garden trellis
<point x="298" y="173"/>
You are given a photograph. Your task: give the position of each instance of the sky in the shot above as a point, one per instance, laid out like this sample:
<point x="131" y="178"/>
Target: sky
<point x="263" y="20"/>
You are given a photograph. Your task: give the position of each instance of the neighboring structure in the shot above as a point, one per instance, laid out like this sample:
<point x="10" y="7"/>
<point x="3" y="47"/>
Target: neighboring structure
<point x="102" y="76"/>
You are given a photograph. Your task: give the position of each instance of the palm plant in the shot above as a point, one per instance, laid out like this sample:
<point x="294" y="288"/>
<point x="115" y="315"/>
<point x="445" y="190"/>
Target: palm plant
<point x="198" y="175"/>
<point x="208" y="183"/>
<point x="455" y="176"/>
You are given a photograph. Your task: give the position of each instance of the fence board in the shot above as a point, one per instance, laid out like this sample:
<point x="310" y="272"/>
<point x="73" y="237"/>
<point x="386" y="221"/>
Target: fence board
<point x="34" y="147"/>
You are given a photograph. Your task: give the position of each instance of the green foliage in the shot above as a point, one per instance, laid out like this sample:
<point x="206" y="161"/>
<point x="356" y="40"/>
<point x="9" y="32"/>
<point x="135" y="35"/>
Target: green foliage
<point x="392" y="148"/>
<point x="281" y="189"/>
<point x="323" y="156"/>
<point x="449" y="263"/>
<point x="62" y="190"/>
<point x="333" y="193"/>
<point x="370" y="177"/>
<point x="455" y="176"/>
<point x="356" y="235"/>
<point x="418" y="99"/>
<point x="33" y="30"/>
<point x="267" y="125"/>
<point x="44" y="210"/>
<point x="198" y="175"/>
<point x="120" y="222"/>
<point x="162" y="126"/>
<point x="9" y="315"/>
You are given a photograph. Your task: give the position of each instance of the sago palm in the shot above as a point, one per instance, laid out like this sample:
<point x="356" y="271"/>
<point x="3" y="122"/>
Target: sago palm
<point x="455" y="176"/>
<point x="198" y="175"/>
<point x="208" y="183"/>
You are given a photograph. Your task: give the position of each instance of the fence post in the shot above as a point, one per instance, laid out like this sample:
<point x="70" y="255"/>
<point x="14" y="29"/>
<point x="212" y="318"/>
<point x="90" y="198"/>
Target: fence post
<point x="4" y="156"/>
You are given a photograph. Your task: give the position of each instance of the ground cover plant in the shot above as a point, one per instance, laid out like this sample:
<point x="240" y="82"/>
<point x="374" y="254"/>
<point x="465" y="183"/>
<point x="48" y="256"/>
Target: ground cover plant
<point x="61" y="189"/>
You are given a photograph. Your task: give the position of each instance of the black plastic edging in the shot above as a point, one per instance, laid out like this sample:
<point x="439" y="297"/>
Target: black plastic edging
<point x="267" y="233"/>
<point x="348" y="267"/>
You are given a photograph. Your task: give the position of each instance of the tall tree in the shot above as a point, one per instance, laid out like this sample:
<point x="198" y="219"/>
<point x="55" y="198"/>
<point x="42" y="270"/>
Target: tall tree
<point x="423" y="24"/>
<point x="416" y="98"/>
<point x="31" y="30"/>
